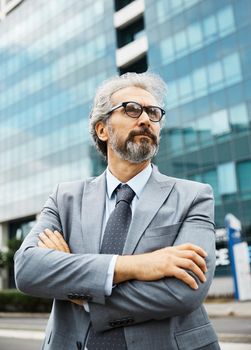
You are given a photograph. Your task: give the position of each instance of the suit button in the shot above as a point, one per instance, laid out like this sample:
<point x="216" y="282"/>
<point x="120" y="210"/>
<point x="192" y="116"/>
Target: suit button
<point x="88" y="297"/>
<point x="113" y="324"/>
<point x="130" y="320"/>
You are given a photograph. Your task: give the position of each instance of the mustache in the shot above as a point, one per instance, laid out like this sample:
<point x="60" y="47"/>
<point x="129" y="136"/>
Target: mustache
<point x="142" y="132"/>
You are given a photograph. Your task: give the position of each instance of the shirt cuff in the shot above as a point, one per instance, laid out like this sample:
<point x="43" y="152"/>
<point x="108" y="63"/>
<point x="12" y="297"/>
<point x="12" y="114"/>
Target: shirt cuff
<point x="110" y="275"/>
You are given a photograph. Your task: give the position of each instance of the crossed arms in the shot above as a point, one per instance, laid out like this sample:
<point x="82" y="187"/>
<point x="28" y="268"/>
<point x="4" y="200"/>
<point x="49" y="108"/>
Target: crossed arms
<point x="153" y="285"/>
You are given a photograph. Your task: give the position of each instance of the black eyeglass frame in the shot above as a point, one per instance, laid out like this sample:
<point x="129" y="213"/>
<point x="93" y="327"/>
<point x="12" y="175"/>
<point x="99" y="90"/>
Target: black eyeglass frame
<point x="143" y="108"/>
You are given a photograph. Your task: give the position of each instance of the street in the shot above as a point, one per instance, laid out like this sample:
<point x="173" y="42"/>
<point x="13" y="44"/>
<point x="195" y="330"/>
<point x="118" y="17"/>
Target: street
<point x="17" y="333"/>
<point x="21" y="344"/>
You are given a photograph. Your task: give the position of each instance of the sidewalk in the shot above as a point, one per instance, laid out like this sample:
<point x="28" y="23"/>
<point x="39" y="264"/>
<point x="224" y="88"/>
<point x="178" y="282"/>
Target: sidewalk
<point x="227" y="309"/>
<point x="228" y="341"/>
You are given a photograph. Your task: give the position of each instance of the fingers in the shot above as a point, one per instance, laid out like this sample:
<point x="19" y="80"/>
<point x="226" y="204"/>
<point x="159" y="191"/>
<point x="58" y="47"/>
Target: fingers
<point x="184" y="276"/>
<point x="41" y="244"/>
<point x="197" y="259"/>
<point x="192" y="247"/>
<point x="62" y="241"/>
<point x="186" y="258"/>
<point x="191" y="266"/>
<point x="53" y="240"/>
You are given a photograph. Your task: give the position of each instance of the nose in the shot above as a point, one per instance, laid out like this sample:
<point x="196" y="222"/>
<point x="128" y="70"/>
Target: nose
<point x="143" y="119"/>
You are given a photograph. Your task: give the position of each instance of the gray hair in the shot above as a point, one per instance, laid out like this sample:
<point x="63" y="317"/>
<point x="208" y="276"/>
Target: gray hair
<point x="102" y="101"/>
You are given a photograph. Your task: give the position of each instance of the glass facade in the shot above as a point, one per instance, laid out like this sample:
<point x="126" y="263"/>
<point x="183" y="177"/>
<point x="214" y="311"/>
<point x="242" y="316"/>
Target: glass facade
<point x="201" y="50"/>
<point x="53" y="54"/>
<point x="52" y="57"/>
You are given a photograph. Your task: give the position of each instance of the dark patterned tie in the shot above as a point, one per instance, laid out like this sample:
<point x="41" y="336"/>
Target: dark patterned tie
<point x="113" y="243"/>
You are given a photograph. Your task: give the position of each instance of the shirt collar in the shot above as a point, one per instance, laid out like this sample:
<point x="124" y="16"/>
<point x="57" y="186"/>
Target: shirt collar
<point x="137" y="183"/>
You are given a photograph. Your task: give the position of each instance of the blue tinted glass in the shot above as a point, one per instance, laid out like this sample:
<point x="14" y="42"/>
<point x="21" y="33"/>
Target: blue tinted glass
<point x="244" y="176"/>
<point x="225" y="20"/>
<point x="239" y="117"/>
<point x="199" y="79"/>
<point x="232" y="68"/>
<point x="211" y="178"/>
<point x="215" y="73"/>
<point x="210" y="28"/>
<point x="227" y="178"/>
<point x="180" y="41"/>
<point x="167" y="49"/>
<point x="220" y="122"/>
<point x="190" y="135"/>
<point x="194" y="33"/>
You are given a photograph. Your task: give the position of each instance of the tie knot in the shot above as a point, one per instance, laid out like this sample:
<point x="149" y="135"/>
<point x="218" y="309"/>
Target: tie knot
<point x="125" y="193"/>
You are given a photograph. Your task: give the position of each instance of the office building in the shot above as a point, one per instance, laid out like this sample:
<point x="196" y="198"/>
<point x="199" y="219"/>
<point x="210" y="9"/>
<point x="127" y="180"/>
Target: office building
<point x="53" y="54"/>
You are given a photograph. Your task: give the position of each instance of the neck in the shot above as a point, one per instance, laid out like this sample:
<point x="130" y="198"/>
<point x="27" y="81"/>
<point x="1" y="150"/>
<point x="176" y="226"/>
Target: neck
<point x="124" y="170"/>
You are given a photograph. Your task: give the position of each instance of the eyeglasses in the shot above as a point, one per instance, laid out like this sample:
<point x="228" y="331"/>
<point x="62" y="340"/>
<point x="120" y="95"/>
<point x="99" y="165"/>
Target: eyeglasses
<point x="134" y="110"/>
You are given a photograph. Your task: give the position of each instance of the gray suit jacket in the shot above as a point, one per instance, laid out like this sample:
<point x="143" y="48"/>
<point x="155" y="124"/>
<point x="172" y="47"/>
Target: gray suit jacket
<point x="165" y="314"/>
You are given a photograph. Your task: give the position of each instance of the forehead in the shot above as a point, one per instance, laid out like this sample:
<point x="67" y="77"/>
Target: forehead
<point x="133" y="93"/>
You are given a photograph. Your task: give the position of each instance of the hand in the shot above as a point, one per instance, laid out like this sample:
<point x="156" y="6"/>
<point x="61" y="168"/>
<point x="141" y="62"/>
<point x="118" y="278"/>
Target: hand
<point x="54" y="240"/>
<point x="167" y="262"/>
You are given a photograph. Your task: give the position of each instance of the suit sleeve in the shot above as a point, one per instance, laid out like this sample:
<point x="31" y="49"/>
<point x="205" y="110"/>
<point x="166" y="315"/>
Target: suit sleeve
<point x="139" y="301"/>
<point x="50" y="273"/>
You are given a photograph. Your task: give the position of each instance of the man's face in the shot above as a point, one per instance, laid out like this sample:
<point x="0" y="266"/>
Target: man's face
<point x="133" y="139"/>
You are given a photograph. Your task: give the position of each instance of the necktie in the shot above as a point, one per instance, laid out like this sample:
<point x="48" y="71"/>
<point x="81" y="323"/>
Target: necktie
<point x="113" y="243"/>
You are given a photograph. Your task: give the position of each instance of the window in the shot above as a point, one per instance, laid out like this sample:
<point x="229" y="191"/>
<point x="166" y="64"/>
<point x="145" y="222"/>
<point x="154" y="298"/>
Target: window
<point x="167" y="50"/>
<point x="185" y="86"/>
<point x="194" y="35"/>
<point x="232" y="68"/>
<point x="200" y="83"/>
<point x="215" y="74"/>
<point x="204" y="127"/>
<point x="180" y="41"/>
<point x="220" y="122"/>
<point x="190" y="135"/>
<point x="210" y="177"/>
<point x="176" y="140"/>
<point x="210" y="28"/>
<point x="227" y="178"/>
<point x="225" y="20"/>
<point x="239" y="117"/>
<point x="244" y="176"/>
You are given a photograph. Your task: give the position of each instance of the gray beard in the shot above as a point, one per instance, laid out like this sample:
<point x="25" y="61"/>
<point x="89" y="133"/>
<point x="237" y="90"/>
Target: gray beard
<point x="132" y="151"/>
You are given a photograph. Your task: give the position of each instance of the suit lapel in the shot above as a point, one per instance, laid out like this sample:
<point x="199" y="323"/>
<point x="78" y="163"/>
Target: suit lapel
<point x="93" y="204"/>
<point x="154" y="194"/>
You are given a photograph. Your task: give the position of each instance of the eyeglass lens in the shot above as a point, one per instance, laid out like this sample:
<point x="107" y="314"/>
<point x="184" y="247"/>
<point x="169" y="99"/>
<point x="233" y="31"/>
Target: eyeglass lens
<point x="134" y="110"/>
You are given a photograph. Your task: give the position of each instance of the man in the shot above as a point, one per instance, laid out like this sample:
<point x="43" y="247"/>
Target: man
<point x="128" y="257"/>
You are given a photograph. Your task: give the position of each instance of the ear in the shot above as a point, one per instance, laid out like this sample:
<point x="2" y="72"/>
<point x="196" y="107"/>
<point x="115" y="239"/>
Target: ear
<point x="101" y="130"/>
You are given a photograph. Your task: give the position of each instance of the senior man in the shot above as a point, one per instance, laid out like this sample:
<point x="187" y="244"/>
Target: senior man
<point x="128" y="256"/>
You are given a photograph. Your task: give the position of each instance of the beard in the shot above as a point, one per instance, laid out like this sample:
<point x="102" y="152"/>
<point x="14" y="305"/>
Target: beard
<point x="132" y="151"/>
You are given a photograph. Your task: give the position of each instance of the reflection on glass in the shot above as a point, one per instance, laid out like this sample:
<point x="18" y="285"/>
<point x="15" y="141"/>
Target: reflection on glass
<point x="244" y="175"/>
<point x="190" y="136"/>
<point x="215" y="74"/>
<point x="176" y="141"/>
<point x="180" y="41"/>
<point x="185" y="86"/>
<point x="204" y="129"/>
<point x="220" y="122"/>
<point x="232" y="68"/>
<point x="200" y="82"/>
<point x="216" y="79"/>
<point x="211" y="178"/>
<point x="210" y="29"/>
<point x="239" y="117"/>
<point x="227" y="178"/>
<point x="194" y="33"/>
<point x="225" y="20"/>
